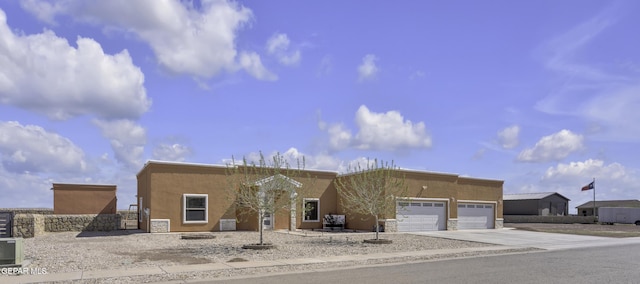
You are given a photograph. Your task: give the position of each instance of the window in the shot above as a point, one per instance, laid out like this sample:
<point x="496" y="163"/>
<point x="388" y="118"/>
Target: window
<point x="195" y="208"/>
<point x="311" y="210"/>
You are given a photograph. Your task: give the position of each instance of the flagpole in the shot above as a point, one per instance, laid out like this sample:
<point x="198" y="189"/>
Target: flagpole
<point x="594" y="198"/>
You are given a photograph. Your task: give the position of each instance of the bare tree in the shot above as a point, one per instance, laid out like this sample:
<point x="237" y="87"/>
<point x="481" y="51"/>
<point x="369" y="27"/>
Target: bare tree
<point x="371" y="190"/>
<point x="266" y="187"/>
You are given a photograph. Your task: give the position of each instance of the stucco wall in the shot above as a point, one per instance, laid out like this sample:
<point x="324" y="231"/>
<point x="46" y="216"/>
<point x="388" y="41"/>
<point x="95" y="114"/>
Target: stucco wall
<point x="143" y="197"/>
<point x="448" y="188"/>
<point x="323" y="189"/>
<point x="162" y="185"/>
<point x="169" y="186"/>
<point x="84" y="199"/>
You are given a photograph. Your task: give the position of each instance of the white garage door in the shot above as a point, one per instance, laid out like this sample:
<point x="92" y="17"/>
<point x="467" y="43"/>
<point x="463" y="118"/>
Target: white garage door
<point x="418" y="216"/>
<point x="475" y="216"/>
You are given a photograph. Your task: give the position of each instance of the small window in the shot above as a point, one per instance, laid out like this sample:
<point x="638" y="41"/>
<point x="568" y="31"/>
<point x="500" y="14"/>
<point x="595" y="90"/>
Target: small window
<point x="438" y="204"/>
<point x="311" y="210"/>
<point x="427" y="204"/>
<point x="479" y="206"/>
<point x="488" y="206"/>
<point x="471" y="206"/>
<point x="195" y="208"/>
<point x="416" y="204"/>
<point x="461" y="206"/>
<point x="403" y="204"/>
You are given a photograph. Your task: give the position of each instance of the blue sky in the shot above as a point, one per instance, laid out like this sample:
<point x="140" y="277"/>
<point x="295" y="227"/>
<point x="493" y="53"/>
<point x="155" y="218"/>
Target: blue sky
<point x="541" y="94"/>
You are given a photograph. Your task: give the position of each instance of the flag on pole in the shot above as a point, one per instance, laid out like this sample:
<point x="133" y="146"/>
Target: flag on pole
<point x="588" y="186"/>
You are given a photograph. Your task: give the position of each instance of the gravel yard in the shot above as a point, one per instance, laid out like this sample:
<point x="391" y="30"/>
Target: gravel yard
<point x="94" y="251"/>
<point x="90" y="251"/>
<point x="71" y="251"/>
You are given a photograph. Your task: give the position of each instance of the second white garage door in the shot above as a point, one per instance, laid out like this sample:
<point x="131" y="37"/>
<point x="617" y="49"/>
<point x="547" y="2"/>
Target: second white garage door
<point x="418" y="216"/>
<point x="475" y="216"/>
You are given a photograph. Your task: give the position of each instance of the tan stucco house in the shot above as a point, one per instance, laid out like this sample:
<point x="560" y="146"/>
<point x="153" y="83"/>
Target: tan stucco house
<point x="187" y="197"/>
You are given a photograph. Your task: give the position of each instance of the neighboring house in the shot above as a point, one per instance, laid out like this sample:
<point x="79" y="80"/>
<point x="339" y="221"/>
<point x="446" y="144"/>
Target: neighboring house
<point x="541" y="204"/>
<point x="84" y="199"/>
<point x="586" y="209"/>
<point x="186" y="197"/>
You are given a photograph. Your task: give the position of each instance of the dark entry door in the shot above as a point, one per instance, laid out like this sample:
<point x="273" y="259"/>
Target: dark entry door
<point x="6" y="222"/>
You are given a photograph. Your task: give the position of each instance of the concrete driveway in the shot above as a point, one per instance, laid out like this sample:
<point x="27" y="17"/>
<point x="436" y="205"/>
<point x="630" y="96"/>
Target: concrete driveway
<point x="521" y="238"/>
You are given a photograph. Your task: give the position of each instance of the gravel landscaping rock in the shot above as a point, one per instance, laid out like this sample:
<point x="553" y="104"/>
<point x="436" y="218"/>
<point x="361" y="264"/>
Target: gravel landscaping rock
<point x="74" y="251"/>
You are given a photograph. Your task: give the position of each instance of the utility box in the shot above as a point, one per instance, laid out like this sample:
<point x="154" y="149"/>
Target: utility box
<point x="11" y="251"/>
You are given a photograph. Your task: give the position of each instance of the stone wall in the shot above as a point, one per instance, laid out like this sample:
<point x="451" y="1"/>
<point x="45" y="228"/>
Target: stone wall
<point x="89" y="222"/>
<point x="452" y="225"/>
<point x="548" y="219"/>
<point x="32" y="225"/>
<point x="389" y="225"/>
<point x="28" y="225"/>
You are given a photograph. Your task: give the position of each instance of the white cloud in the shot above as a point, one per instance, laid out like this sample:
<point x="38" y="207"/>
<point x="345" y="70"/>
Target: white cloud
<point x="44" y="11"/>
<point x="31" y="149"/>
<point x="388" y="131"/>
<point x="368" y="69"/>
<point x="127" y="140"/>
<point x="553" y="147"/>
<point x="171" y="152"/>
<point x="200" y="41"/>
<point x="586" y="170"/>
<point x="339" y="137"/>
<point x="613" y="181"/>
<point x="42" y="72"/>
<point x="253" y="65"/>
<point x="278" y="45"/>
<point x="379" y="131"/>
<point x="508" y="137"/>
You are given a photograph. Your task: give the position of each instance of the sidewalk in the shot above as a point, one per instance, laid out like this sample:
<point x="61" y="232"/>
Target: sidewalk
<point x="87" y="275"/>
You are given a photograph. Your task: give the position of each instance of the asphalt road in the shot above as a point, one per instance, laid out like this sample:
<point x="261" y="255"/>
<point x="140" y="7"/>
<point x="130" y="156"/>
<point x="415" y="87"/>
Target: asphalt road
<point x="611" y="264"/>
